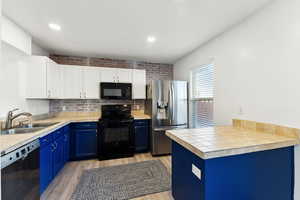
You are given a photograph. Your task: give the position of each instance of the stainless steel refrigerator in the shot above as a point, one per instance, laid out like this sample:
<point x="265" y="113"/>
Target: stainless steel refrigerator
<point x="167" y="104"/>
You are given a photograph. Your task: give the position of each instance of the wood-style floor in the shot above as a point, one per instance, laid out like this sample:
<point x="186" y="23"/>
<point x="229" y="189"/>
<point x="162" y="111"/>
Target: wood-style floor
<point x="65" y="183"/>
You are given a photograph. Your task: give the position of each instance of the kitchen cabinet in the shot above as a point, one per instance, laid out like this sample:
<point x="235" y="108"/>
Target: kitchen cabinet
<point x="66" y="145"/>
<point x="108" y="74"/>
<point x="46" y="166"/>
<point x="54" y="80"/>
<point x="91" y="82"/>
<point x="141" y="129"/>
<point x="72" y="82"/>
<point x="81" y="82"/>
<point x="116" y="75"/>
<point x="138" y="84"/>
<point x="47" y="80"/>
<point x="86" y="143"/>
<point x="53" y="150"/>
<point x="84" y="140"/>
<point x="124" y="75"/>
<point x="58" y="156"/>
<point x="43" y="78"/>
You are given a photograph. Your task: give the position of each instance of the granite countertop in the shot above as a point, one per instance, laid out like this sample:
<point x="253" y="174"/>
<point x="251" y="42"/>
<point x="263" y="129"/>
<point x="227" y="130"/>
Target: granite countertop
<point x="11" y="142"/>
<point x="214" y="142"/>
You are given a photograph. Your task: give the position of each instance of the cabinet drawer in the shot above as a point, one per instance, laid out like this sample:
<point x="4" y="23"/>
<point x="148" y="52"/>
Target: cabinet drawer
<point x="46" y="139"/>
<point x="143" y="122"/>
<point x="58" y="133"/>
<point x="85" y="125"/>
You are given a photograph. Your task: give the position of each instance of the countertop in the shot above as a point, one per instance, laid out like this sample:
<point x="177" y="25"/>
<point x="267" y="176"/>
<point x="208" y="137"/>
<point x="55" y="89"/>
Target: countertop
<point x="214" y="142"/>
<point x="11" y="142"/>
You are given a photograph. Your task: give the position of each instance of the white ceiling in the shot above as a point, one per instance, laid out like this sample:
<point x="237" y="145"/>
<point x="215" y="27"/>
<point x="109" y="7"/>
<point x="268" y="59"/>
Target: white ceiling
<point x="119" y="28"/>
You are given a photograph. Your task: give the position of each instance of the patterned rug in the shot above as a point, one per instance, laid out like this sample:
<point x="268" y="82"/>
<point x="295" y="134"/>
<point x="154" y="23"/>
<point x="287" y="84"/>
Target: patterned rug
<point x="123" y="181"/>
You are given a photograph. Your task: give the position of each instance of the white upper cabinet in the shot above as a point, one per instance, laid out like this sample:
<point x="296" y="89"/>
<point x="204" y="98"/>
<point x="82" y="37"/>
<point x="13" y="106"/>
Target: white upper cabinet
<point x="48" y="80"/>
<point x="72" y="82"/>
<point x="36" y="77"/>
<point x="124" y="75"/>
<point x="54" y="80"/>
<point x="91" y="78"/>
<point x="43" y="78"/>
<point x="108" y="74"/>
<point x="116" y="75"/>
<point x="138" y="84"/>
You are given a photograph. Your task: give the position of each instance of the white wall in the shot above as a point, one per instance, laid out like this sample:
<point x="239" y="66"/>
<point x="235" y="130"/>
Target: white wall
<point x="12" y="84"/>
<point x="12" y="34"/>
<point x="38" y="50"/>
<point x="257" y="65"/>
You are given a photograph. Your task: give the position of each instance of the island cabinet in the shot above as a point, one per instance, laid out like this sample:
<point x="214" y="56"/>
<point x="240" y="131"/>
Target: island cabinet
<point x="262" y="175"/>
<point x="53" y="155"/>
<point x="141" y="130"/>
<point x="83" y="140"/>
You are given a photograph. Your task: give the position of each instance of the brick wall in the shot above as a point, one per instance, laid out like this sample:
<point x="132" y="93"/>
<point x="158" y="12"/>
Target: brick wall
<point x="154" y="71"/>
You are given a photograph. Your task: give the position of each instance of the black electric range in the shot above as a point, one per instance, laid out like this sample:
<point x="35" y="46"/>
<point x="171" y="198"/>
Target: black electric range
<point x="115" y="132"/>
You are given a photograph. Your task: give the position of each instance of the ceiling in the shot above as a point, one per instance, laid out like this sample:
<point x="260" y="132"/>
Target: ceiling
<point x="119" y="28"/>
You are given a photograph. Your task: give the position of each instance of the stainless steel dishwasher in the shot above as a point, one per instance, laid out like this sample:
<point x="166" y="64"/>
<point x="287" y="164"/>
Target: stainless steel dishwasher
<point x="20" y="171"/>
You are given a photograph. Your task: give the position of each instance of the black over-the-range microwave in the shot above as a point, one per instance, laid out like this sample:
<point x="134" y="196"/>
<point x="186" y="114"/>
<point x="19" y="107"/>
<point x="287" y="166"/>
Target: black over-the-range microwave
<point x="121" y="91"/>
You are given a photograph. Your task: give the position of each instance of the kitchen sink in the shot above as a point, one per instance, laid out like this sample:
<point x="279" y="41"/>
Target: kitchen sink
<point x="21" y="130"/>
<point x="30" y="128"/>
<point x="44" y="125"/>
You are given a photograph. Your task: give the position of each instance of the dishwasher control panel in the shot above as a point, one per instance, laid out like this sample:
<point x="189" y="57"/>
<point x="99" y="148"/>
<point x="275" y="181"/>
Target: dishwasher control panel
<point x="20" y="153"/>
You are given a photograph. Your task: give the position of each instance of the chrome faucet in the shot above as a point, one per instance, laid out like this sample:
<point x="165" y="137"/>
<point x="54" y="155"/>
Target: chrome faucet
<point x="10" y="117"/>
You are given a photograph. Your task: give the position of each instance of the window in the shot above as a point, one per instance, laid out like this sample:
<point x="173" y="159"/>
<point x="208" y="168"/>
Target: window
<point x="202" y="96"/>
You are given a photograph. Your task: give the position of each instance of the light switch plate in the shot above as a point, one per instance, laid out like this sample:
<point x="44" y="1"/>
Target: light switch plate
<point x="196" y="171"/>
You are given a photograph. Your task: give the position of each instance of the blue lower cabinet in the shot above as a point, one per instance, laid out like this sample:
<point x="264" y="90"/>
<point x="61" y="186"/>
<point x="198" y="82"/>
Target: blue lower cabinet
<point x="46" y="166"/>
<point x="85" y="143"/>
<point x="141" y="129"/>
<point x="263" y="175"/>
<point x="66" y="146"/>
<point x="83" y="140"/>
<point x="58" y="156"/>
<point x="53" y="150"/>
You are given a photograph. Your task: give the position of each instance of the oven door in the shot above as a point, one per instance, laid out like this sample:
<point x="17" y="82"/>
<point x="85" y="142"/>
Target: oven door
<point x="116" y="139"/>
<point x="121" y="91"/>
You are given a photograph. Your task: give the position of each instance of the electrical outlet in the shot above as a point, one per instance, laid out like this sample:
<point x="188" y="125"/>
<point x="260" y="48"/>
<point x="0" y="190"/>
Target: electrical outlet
<point x="64" y="108"/>
<point x="196" y="171"/>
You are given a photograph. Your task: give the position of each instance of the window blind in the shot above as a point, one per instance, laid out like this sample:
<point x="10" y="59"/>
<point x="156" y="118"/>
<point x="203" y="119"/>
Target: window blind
<point x="202" y="96"/>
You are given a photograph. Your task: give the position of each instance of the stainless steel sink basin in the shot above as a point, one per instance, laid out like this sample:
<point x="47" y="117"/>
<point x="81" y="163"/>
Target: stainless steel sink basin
<point x="30" y="128"/>
<point x="21" y="130"/>
<point x="36" y="125"/>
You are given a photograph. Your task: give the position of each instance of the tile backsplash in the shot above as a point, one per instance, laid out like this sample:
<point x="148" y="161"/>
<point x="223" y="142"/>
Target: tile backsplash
<point x="83" y="105"/>
<point x="154" y="71"/>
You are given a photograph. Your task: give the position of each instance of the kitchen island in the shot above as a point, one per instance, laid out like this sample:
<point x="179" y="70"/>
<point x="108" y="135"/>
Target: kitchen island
<point x="246" y="161"/>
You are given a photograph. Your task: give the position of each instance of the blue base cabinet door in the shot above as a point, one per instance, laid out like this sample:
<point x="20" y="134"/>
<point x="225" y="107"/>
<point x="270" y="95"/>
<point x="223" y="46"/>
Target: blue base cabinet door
<point x="46" y="166"/>
<point x="66" y="146"/>
<point x="141" y="129"/>
<point x="85" y="143"/>
<point x="58" y="156"/>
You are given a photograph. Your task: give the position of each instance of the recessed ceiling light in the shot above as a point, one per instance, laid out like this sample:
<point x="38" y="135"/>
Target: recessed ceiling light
<point x="54" y="27"/>
<point x="151" y="39"/>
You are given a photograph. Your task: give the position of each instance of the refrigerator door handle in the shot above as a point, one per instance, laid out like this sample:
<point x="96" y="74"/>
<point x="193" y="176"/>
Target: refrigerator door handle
<point x="172" y="109"/>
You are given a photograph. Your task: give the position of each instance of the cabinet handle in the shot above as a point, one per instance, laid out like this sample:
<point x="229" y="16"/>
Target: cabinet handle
<point x="85" y="94"/>
<point x="53" y="147"/>
<point x="49" y="93"/>
<point x="80" y="95"/>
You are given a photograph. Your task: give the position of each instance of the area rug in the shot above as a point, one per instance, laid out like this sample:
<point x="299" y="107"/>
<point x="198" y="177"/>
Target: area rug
<point x="123" y="181"/>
